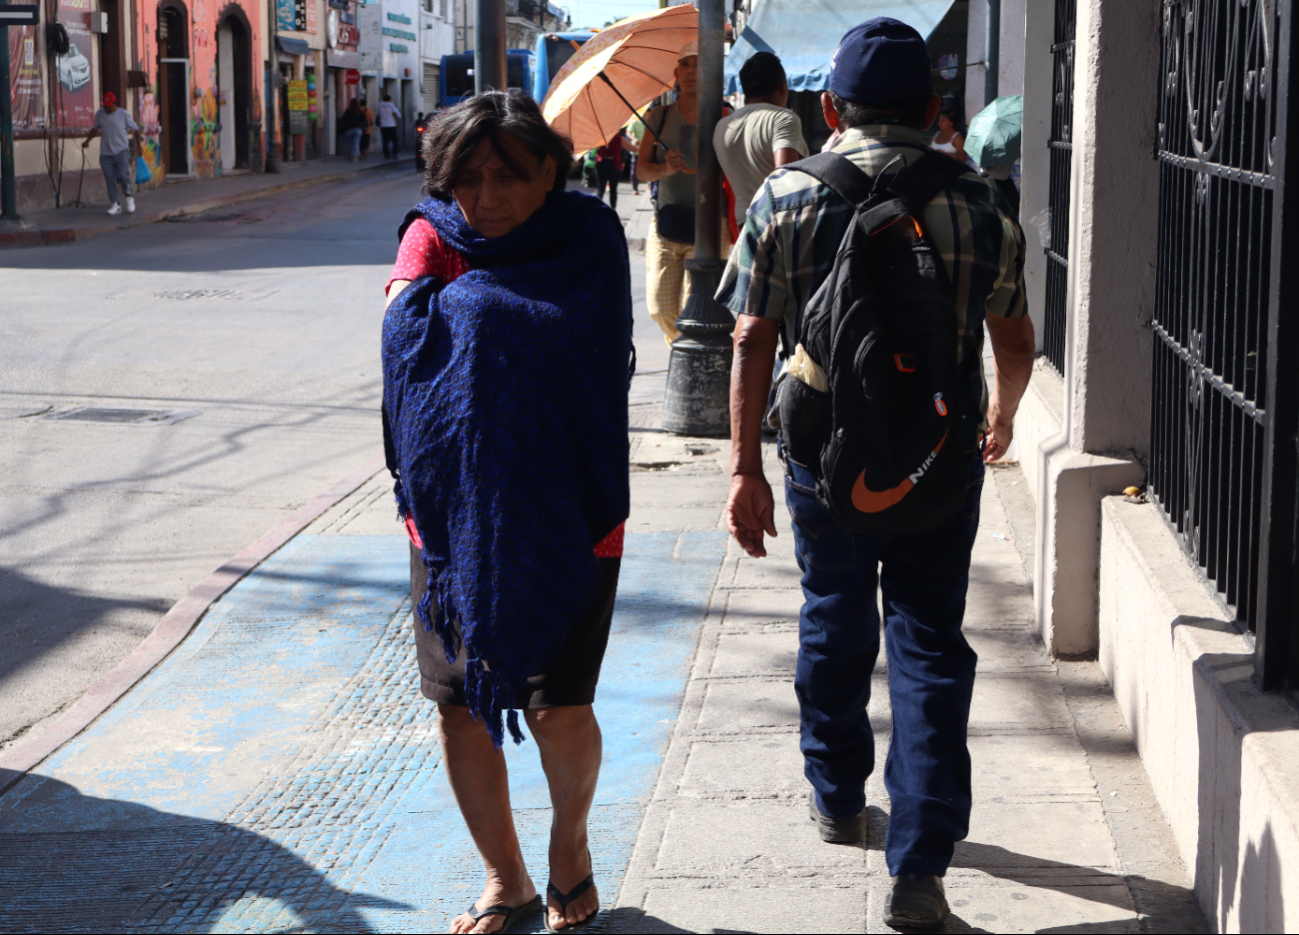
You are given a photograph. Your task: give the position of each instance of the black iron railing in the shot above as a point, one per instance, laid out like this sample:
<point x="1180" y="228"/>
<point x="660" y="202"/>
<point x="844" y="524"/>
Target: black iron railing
<point x="1061" y="155"/>
<point x="1226" y="362"/>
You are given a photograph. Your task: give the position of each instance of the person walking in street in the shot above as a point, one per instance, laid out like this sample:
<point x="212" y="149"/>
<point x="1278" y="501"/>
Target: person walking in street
<point x="389" y="122"/>
<point x="948" y="140"/>
<point x="762" y="135"/>
<point x="351" y="126"/>
<point x="608" y="167"/>
<point x="365" y="134"/>
<point x="116" y="126"/>
<point x="515" y="512"/>
<point x="668" y="156"/>
<point x="880" y="99"/>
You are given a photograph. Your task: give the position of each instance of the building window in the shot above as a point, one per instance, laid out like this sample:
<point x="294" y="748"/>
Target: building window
<point x="442" y="11"/>
<point x="1061" y="158"/>
<point x="1223" y="441"/>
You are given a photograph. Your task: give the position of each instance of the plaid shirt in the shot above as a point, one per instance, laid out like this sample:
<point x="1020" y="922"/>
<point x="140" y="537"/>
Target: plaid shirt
<point x="795" y="225"/>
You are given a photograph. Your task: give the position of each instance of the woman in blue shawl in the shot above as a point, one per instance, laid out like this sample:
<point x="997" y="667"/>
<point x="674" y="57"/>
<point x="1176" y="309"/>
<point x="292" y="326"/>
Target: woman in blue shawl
<point x="507" y="357"/>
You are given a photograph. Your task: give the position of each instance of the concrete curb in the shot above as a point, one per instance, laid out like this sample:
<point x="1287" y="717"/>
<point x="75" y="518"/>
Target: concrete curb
<point x="170" y="631"/>
<point x="49" y="235"/>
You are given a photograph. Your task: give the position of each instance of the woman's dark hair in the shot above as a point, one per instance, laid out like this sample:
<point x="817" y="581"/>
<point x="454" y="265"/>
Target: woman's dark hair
<point x="450" y="142"/>
<point x="950" y="115"/>
<point x="907" y="113"/>
<point x="762" y="75"/>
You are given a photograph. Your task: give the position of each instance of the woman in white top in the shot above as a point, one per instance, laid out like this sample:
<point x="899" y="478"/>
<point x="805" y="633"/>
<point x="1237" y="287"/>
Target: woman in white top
<point x="947" y="140"/>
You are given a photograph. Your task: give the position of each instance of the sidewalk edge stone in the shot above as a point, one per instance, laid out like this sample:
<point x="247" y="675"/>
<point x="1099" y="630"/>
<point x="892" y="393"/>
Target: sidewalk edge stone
<point x="25" y="755"/>
<point x="56" y="235"/>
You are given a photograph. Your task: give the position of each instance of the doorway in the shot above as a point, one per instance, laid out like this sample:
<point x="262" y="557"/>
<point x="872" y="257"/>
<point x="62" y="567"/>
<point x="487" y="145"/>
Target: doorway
<point x="234" y="87"/>
<point x="173" y="87"/>
<point x="112" y="64"/>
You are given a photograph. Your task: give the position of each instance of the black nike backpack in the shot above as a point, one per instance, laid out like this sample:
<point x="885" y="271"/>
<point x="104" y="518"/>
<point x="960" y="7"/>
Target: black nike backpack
<point x="892" y="442"/>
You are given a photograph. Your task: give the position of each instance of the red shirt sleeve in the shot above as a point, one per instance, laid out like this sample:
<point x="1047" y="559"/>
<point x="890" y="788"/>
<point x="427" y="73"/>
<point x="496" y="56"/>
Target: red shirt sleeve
<point x="422" y="253"/>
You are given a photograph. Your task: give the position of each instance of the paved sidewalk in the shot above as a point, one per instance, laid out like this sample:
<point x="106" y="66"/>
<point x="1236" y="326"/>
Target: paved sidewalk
<point x="66" y="224"/>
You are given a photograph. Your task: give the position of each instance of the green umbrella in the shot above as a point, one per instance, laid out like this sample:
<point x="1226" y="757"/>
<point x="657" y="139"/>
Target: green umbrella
<point x="994" y="134"/>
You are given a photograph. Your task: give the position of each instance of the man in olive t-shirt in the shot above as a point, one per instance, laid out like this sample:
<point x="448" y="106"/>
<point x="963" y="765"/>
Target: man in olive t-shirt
<point x="762" y="135"/>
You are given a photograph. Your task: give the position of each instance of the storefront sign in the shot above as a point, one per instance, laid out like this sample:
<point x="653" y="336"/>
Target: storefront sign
<point x="298" y="97"/>
<point x="76" y="93"/>
<point x="286" y="14"/>
<point x="25" y="78"/>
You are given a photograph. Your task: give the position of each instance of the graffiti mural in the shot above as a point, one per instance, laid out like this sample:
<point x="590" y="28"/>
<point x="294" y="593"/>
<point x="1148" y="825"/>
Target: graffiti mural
<point x="151" y="129"/>
<point x="204" y="132"/>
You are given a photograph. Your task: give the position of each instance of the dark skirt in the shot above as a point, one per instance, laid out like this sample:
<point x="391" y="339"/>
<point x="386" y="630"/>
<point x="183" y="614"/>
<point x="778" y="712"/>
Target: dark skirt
<point x="569" y="679"/>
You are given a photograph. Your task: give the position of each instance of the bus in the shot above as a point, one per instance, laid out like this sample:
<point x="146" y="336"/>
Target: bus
<point x="456" y="77"/>
<point x="553" y="50"/>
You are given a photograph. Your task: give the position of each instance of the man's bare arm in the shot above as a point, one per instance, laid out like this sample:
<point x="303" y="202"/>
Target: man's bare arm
<point x="1013" y="350"/>
<point x="785" y="155"/>
<point x="750" y="509"/>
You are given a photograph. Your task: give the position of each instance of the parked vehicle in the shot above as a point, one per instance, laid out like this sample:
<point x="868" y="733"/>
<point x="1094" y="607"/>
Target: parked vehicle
<point x="74" y="69"/>
<point x="456" y="77"/>
<point x="553" y="50"/>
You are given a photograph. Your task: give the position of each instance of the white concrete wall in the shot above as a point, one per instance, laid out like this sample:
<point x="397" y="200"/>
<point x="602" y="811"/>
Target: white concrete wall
<point x="1223" y="758"/>
<point x="1010" y="70"/>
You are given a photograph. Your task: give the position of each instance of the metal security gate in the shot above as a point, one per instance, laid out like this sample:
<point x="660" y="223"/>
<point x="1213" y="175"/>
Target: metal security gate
<point x="1226" y="357"/>
<point x="1061" y="154"/>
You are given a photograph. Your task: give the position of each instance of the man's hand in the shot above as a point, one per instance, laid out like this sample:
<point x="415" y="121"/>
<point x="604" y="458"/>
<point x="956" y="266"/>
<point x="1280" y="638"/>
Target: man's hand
<point x="1012" y="352"/>
<point x="750" y="511"/>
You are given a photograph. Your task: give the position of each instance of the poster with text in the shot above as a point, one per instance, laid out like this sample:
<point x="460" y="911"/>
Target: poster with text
<point x="76" y="88"/>
<point x="25" y="78"/>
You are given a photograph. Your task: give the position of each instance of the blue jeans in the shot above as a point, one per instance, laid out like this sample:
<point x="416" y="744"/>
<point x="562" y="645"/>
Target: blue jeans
<point x="930" y="670"/>
<point x="117" y="171"/>
<point x="352" y="142"/>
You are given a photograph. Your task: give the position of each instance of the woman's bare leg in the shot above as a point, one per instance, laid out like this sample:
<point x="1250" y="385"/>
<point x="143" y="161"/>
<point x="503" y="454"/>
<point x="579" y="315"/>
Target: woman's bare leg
<point x="571" y="747"/>
<point x="482" y="788"/>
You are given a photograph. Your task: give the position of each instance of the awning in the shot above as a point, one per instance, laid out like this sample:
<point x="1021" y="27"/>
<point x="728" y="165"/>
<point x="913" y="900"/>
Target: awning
<point x="805" y="33"/>
<point x="298" y="46"/>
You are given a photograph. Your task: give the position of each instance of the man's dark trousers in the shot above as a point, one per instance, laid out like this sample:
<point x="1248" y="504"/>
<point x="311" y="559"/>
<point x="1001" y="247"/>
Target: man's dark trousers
<point x="389" y="142"/>
<point x="930" y="670"/>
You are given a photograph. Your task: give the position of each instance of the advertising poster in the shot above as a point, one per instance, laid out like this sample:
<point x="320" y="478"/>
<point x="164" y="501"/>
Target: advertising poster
<point x="25" y="78"/>
<point x="286" y="14"/>
<point x="76" y="89"/>
<point x="298" y="100"/>
<point x="312" y="14"/>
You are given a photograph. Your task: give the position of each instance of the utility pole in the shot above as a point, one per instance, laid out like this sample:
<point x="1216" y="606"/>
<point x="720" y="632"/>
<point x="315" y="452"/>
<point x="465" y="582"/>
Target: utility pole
<point x="697" y="401"/>
<point x="992" y="52"/>
<point x="489" y="45"/>
<point x="9" y="16"/>
<point x="273" y="131"/>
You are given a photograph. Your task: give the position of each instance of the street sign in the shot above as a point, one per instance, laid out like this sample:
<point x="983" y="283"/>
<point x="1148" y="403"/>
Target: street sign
<point x="353" y="76"/>
<point x="20" y="15"/>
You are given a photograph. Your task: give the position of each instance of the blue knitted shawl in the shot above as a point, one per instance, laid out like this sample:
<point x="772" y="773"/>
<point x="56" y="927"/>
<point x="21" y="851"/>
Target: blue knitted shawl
<point x="505" y="408"/>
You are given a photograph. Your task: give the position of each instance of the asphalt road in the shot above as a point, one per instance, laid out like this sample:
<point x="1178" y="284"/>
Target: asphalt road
<point x="254" y="331"/>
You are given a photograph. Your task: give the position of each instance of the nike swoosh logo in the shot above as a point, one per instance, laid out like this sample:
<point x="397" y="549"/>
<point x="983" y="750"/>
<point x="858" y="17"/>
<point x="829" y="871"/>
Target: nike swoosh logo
<point x="874" y="501"/>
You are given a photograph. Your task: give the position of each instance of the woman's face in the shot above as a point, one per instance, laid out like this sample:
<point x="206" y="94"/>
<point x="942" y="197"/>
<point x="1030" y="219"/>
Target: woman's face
<point x="944" y="123"/>
<point x="495" y="199"/>
<point x="687" y="72"/>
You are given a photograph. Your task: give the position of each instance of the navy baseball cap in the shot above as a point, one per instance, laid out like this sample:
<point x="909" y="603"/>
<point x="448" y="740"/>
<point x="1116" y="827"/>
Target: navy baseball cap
<point x="881" y="61"/>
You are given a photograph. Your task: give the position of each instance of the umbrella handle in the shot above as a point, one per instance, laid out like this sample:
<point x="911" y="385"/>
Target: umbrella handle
<point x="658" y="139"/>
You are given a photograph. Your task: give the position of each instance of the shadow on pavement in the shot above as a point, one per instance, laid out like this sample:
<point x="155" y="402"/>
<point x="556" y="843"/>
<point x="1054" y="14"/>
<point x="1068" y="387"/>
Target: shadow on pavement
<point x="76" y="863"/>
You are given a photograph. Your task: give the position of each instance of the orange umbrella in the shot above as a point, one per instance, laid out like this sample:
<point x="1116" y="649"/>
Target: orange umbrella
<point x="616" y="73"/>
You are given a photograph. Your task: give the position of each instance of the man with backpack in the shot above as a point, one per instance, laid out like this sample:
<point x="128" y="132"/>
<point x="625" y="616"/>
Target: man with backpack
<point x="876" y="267"/>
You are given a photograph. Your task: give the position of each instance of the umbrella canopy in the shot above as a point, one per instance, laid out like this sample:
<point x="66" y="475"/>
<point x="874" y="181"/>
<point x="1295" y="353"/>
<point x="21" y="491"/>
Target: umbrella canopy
<point x="637" y="56"/>
<point x="994" y="134"/>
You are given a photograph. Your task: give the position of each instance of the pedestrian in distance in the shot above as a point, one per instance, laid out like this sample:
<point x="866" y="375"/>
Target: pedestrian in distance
<point x="389" y="123"/>
<point x="116" y="126"/>
<point x="762" y="135"/>
<point x="954" y="264"/>
<point x="608" y="167"/>
<point x="948" y="139"/>
<point x="351" y="127"/>
<point x="669" y="156"/>
<point x="365" y="134"/>
<point x="504" y="280"/>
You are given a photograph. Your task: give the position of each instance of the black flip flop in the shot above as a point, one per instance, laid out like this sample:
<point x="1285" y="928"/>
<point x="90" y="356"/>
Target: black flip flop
<point x="564" y="900"/>
<point x="512" y="914"/>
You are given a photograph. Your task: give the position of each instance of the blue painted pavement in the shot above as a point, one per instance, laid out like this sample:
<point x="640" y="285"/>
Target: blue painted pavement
<point x="280" y="771"/>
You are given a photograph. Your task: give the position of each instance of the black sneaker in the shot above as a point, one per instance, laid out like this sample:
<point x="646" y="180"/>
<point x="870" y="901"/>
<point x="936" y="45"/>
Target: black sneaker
<point x="916" y="902"/>
<point x="835" y="830"/>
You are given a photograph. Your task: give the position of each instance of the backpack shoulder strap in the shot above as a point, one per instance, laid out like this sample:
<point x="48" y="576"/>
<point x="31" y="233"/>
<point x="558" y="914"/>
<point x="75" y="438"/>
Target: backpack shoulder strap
<point x="927" y="176"/>
<point x="838" y="172"/>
